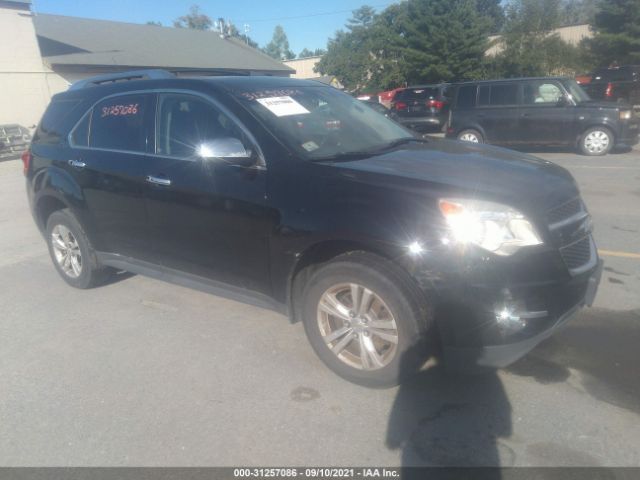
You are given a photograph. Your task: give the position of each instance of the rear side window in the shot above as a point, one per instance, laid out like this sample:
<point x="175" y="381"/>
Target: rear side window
<point x="505" y="94"/>
<point x="80" y="134"/>
<point x="118" y="123"/>
<point x="467" y="96"/>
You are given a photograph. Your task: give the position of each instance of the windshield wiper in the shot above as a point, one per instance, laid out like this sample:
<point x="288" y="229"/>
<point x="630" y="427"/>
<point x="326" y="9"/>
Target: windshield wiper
<point x="402" y="141"/>
<point x="360" y="154"/>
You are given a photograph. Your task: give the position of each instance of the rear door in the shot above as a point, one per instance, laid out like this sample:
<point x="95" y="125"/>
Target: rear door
<point x="546" y="118"/>
<point x="498" y="112"/>
<point x="110" y="149"/>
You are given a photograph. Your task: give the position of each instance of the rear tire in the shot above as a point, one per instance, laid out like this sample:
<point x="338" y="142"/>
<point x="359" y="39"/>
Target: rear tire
<point x="71" y="252"/>
<point x="470" y="135"/>
<point x="377" y="346"/>
<point x="596" y="141"/>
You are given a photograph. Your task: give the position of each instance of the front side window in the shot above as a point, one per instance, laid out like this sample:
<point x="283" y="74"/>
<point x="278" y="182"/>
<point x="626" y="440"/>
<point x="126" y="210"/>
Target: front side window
<point x="186" y="122"/>
<point x="321" y="122"/>
<point x="118" y="123"/>
<point x="541" y="92"/>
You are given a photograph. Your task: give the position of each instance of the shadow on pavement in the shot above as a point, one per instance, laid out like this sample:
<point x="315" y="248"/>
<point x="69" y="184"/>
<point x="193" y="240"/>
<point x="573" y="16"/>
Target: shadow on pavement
<point x="443" y="419"/>
<point x="603" y="345"/>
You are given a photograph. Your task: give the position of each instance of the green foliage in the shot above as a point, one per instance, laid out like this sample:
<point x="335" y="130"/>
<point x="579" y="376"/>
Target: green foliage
<point x="617" y="33"/>
<point x="493" y="11"/>
<point x="311" y="53"/>
<point x="573" y="12"/>
<point x="278" y="47"/>
<point x="528" y="46"/>
<point x="195" y="19"/>
<point x="415" y="41"/>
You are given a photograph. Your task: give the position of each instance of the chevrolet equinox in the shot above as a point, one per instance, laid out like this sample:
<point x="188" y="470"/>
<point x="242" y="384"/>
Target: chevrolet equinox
<point x="293" y="196"/>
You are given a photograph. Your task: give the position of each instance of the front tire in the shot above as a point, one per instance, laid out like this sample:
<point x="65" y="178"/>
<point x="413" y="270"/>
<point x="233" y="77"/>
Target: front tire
<point x="596" y="141"/>
<point x="71" y="252"/>
<point x="364" y="320"/>
<point x="470" y="135"/>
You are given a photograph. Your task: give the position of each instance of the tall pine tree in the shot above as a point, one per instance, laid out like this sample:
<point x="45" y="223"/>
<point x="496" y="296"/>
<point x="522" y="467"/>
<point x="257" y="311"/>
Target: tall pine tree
<point x="617" y="32"/>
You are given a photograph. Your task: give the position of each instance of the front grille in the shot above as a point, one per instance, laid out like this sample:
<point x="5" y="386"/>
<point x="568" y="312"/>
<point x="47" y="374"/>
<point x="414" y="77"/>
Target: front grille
<point x="570" y="226"/>
<point x="566" y="210"/>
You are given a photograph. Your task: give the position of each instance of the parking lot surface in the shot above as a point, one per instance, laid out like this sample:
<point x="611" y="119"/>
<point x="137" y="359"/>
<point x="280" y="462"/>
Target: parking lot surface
<point x="145" y="373"/>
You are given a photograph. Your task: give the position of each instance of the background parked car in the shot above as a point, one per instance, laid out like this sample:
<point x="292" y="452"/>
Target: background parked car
<point x="385" y="98"/>
<point x="14" y="139"/>
<point x="618" y="84"/>
<point x="421" y="108"/>
<point x="539" y="111"/>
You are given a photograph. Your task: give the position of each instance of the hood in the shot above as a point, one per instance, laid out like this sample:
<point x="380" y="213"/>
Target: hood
<point x="481" y="171"/>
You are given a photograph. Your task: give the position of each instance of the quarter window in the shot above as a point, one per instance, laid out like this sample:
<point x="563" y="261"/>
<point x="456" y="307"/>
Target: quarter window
<point x="185" y="122"/>
<point x="118" y="123"/>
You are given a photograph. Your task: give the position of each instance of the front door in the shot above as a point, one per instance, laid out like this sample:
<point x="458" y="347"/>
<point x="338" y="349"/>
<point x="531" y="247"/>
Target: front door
<point x="546" y="118"/>
<point x="206" y="217"/>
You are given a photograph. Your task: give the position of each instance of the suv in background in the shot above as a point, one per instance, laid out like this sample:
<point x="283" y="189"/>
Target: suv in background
<point x="539" y="111"/>
<point x="421" y="108"/>
<point x="294" y="196"/>
<point x="616" y="84"/>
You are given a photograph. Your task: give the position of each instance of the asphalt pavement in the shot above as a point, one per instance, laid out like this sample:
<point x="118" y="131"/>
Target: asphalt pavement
<point x="144" y="373"/>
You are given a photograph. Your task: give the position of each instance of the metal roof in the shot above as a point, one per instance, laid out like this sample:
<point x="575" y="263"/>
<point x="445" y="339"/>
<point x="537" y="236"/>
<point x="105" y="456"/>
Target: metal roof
<point x="73" y="41"/>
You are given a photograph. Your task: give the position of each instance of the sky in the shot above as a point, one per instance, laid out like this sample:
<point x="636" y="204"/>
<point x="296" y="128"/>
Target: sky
<point x="313" y="24"/>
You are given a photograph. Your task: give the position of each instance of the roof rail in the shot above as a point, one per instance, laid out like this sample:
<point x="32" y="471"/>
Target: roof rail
<point x="114" y="77"/>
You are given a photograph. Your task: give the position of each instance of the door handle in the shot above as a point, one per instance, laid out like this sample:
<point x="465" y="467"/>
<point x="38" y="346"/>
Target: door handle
<point x="77" y="164"/>
<point x="158" y="180"/>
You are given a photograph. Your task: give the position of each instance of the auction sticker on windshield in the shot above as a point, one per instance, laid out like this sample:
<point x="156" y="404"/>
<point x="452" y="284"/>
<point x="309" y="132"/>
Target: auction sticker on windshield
<point x="282" y="106"/>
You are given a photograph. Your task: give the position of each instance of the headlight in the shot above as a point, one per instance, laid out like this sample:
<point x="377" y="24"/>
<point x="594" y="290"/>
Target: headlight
<point x="625" y="114"/>
<point x="497" y="228"/>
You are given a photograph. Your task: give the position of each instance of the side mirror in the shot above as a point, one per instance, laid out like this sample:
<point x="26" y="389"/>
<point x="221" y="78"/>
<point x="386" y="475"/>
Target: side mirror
<point x="228" y="148"/>
<point x="563" y="101"/>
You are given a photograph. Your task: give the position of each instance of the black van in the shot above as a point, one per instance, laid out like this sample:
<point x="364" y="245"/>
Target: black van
<point x="539" y="111"/>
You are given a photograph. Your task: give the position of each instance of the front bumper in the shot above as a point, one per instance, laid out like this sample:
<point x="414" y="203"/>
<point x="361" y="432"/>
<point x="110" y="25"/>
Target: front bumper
<point x="629" y="133"/>
<point x="501" y="353"/>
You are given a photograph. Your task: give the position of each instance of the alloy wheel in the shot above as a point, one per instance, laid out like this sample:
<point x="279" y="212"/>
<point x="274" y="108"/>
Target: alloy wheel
<point x="66" y="251"/>
<point x="596" y="141"/>
<point x="357" y="326"/>
<point x="469" y="137"/>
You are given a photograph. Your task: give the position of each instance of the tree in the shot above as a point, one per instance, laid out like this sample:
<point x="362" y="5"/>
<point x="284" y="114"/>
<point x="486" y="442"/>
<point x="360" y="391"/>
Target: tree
<point x="155" y="24"/>
<point x="195" y="20"/>
<point x="573" y="12"/>
<point x="278" y="47"/>
<point x="616" y="33"/>
<point x="528" y="45"/>
<point x="493" y="11"/>
<point x="233" y="31"/>
<point x="445" y="40"/>
<point x="311" y="53"/>
<point x="349" y="52"/>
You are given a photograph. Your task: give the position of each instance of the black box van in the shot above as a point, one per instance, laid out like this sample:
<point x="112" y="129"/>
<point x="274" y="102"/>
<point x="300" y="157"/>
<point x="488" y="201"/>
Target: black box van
<point x="539" y="111"/>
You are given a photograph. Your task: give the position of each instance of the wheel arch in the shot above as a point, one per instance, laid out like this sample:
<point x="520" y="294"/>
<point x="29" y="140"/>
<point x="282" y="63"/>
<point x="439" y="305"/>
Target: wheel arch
<point x="606" y="125"/>
<point x="45" y="206"/>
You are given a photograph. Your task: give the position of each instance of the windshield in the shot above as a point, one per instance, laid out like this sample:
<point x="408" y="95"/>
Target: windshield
<point x="322" y="122"/>
<point x="576" y="91"/>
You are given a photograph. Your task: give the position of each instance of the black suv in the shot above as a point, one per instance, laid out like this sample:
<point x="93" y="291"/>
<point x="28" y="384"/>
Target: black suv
<point x="616" y="84"/>
<point x="539" y="111"/>
<point x="421" y="108"/>
<point x="294" y="196"/>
